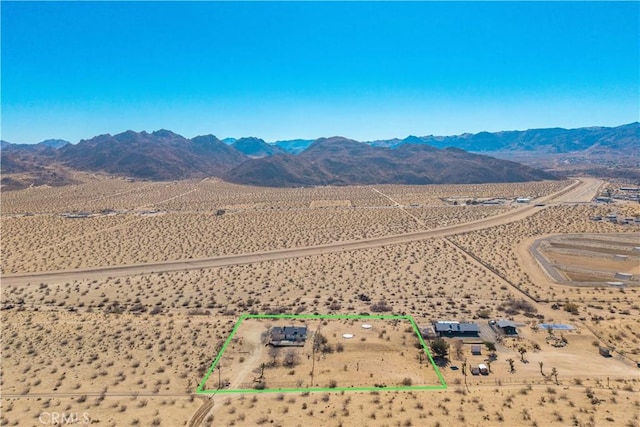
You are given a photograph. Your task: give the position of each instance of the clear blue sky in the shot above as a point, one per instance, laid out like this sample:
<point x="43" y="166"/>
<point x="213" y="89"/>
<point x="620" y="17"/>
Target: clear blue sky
<point x="305" y="70"/>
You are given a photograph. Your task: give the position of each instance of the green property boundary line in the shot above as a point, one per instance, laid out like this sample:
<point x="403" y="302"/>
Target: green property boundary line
<point x="202" y="390"/>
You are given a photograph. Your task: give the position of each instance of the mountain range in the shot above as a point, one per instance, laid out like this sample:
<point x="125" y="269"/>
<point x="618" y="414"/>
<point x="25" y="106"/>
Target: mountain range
<point x="553" y="140"/>
<point x="341" y="161"/>
<point x="164" y="155"/>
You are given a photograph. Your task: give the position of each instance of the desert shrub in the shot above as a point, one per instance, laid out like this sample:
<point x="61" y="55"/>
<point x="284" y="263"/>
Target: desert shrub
<point x="291" y="358"/>
<point x="484" y="314"/>
<point x="571" y="308"/>
<point x="381" y="306"/>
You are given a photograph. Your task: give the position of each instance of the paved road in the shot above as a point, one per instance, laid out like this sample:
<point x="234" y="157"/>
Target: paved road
<point x="578" y="192"/>
<point x="547" y="267"/>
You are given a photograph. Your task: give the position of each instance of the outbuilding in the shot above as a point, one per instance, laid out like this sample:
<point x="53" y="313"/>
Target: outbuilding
<point x="604" y="351"/>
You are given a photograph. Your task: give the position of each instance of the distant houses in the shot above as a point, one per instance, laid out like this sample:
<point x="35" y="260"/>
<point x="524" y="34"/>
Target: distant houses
<point x="74" y="215"/>
<point x="288" y="336"/>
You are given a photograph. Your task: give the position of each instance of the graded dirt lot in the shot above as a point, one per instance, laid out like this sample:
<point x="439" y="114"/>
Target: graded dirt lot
<point x="590" y="259"/>
<point x="119" y="314"/>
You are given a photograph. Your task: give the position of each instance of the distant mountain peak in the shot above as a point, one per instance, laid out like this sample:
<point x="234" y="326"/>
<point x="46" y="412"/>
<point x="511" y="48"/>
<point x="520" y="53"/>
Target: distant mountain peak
<point x="164" y="133"/>
<point x="54" y="143"/>
<point x="256" y="147"/>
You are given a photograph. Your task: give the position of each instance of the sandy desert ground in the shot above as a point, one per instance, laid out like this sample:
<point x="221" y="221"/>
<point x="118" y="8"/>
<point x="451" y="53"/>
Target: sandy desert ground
<point x="131" y="349"/>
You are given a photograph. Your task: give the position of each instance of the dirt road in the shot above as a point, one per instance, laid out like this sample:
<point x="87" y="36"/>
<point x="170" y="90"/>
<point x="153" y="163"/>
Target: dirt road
<point x="580" y="191"/>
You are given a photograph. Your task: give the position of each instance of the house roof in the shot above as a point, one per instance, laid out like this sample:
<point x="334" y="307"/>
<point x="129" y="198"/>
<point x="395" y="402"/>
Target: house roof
<point x="505" y="324"/>
<point x="453" y="327"/>
<point x="289" y="332"/>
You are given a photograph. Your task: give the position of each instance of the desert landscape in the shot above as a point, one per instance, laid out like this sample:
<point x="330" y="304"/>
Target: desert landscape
<point x="118" y="294"/>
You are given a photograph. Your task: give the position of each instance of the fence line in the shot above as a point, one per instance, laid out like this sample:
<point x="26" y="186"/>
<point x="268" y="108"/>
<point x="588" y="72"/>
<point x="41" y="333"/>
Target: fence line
<point x="550" y="380"/>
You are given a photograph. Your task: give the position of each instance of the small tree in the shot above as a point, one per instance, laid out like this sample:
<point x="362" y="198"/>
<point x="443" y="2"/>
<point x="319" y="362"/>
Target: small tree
<point x="440" y="347"/>
<point x="459" y="345"/>
<point x="291" y="358"/>
<point x="319" y="341"/>
<point x="274" y="352"/>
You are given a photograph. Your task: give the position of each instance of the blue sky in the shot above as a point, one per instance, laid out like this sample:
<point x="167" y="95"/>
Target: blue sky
<point x="284" y="70"/>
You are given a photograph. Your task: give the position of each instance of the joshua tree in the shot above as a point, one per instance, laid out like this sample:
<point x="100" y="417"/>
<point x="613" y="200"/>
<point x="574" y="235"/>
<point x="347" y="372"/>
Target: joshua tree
<point x="512" y="368"/>
<point x="522" y="351"/>
<point x="554" y="373"/>
<point x="464" y="371"/>
<point x="541" y="363"/>
<point x="262" y="365"/>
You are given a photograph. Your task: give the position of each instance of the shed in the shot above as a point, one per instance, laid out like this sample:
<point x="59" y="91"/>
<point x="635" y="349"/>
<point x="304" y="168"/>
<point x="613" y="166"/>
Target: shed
<point x="476" y="349"/>
<point x="428" y="332"/>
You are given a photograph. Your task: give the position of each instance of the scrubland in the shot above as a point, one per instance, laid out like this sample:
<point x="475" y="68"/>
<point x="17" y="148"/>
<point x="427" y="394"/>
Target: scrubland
<point x="131" y="350"/>
<point x="136" y="222"/>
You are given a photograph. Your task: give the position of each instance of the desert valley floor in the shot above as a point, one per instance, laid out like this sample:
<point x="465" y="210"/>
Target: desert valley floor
<point x="117" y="295"/>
